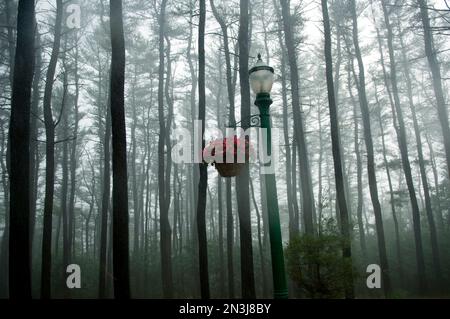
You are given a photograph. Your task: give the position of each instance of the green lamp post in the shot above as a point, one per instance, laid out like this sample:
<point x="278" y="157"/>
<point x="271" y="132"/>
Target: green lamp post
<point x="261" y="81"/>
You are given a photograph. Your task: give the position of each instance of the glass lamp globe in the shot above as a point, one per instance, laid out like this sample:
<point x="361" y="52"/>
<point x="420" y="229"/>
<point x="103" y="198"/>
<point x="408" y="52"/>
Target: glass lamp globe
<point x="261" y="77"/>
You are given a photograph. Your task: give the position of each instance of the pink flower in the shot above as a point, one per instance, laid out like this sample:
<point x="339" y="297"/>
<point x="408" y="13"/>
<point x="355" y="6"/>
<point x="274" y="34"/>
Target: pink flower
<point x="232" y="146"/>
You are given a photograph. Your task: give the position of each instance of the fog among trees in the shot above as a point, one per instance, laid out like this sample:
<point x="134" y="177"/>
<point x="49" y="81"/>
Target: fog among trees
<point x="94" y="95"/>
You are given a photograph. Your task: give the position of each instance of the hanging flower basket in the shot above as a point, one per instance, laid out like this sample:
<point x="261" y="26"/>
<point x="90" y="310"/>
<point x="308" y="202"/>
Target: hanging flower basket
<point x="229" y="169"/>
<point x="228" y="150"/>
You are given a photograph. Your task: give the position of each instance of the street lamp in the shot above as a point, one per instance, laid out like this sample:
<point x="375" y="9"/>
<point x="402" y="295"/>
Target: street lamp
<point x="261" y="80"/>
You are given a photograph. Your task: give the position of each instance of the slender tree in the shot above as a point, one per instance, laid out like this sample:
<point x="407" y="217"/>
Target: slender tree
<point x="391" y="193"/>
<point x="231" y="120"/>
<point x="49" y="158"/>
<point x="19" y="135"/>
<point x="294" y="227"/>
<point x="433" y="63"/>
<point x="242" y="181"/>
<point x="119" y="155"/>
<point x="338" y="175"/>
<point x="74" y="146"/>
<point x="34" y="147"/>
<point x="299" y="131"/>
<point x="221" y="268"/>
<point x="106" y="193"/>
<point x="403" y="144"/>
<point x="163" y="179"/>
<point x="65" y="166"/>
<point x="365" y="113"/>
<point x="359" y="186"/>
<point x="423" y="173"/>
<point x="203" y="169"/>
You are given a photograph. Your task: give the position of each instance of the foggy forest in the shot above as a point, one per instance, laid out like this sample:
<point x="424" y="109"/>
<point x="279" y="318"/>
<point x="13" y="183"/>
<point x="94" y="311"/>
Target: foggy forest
<point x="97" y="98"/>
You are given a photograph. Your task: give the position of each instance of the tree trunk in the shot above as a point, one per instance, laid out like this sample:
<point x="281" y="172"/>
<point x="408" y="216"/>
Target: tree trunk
<point x="231" y="120"/>
<point x="299" y="131"/>
<point x="165" y="233"/>
<point x="65" y="172"/>
<point x="203" y="169"/>
<point x="320" y="199"/>
<point x="49" y="159"/>
<point x="169" y="101"/>
<point x="423" y="172"/>
<point x="106" y="192"/>
<point x="433" y="63"/>
<point x="19" y="135"/>
<point x="392" y="199"/>
<point x="221" y="264"/>
<point x="242" y="180"/>
<point x="260" y="244"/>
<point x="338" y="175"/>
<point x="34" y="148"/>
<point x="194" y="174"/>
<point x="176" y="210"/>
<point x="73" y="152"/>
<point x="134" y="179"/>
<point x="294" y="227"/>
<point x="394" y="213"/>
<point x="119" y="155"/>
<point x="440" y="218"/>
<point x="4" y="259"/>
<point x="365" y="113"/>
<point x="10" y="38"/>
<point x="336" y="80"/>
<point x="403" y="144"/>
<point x="359" y="208"/>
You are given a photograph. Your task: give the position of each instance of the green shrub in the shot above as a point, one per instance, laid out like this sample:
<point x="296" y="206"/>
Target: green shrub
<point x="316" y="265"/>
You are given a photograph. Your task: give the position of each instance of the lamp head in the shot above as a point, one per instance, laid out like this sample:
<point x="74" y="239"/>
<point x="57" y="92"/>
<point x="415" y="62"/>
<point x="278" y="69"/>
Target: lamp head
<point x="261" y="77"/>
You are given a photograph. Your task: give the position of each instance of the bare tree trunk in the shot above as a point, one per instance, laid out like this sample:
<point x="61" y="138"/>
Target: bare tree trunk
<point x="423" y="173"/>
<point x="203" y="169"/>
<point x="336" y="80"/>
<point x="437" y="80"/>
<point x="165" y="233"/>
<point x="169" y="101"/>
<point x="4" y="259"/>
<point x="402" y="141"/>
<point x="231" y="120"/>
<point x="73" y="151"/>
<point x="221" y="264"/>
<point x="361" y="83"/>
<point x="65" y="172"/>
<point x="49" y="159"/>
<point x="19" y="135"/>
<point x="391" y="194"/>
<point x="299" y="132"/>
<point x="394" y="213"/>
<point x="338" y="174"/>
<point x="260" y="243"/>
<point x="148" y="196"/>
<point x="320" y="199"/>
<point x="134" y="179"/>
<point x="194" y="174"/>
<point x="136" y="208"/>
<point x="440" y="218"/>
<point x="6" y="154"/>
<point x="34" y="148"/>
<point x="119" y="156"/>
<point x="10" y="38"/>
<point x="359" y="208"/>
<point x="63" y="207"/>
<point x="176" y="210"/>
<point x="294" y="226"/>
<point x="242" y="180"/>
<point x="106" y="192"/>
